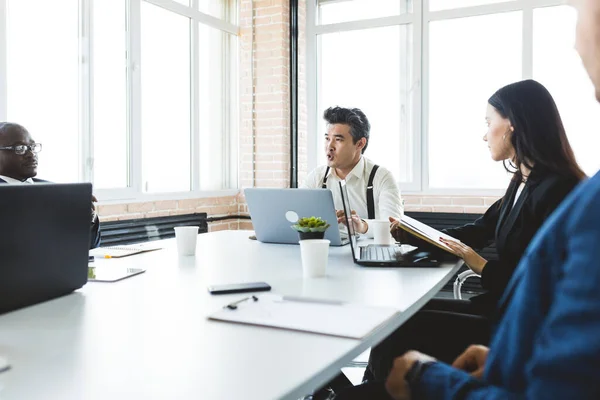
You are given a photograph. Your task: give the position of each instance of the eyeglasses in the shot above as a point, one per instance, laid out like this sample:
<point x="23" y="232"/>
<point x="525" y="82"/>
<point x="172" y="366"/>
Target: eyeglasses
<point x="21" y="149"/>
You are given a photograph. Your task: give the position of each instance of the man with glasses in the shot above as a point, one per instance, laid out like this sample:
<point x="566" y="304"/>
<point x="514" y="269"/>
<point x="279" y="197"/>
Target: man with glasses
<point x="19" y="162"/>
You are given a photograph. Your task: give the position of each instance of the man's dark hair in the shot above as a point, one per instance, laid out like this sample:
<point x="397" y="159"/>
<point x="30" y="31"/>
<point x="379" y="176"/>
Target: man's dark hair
<point x="354" y="118"/>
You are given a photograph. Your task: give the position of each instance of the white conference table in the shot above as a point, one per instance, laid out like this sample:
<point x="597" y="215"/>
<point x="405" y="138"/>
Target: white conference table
<point x="148" y="336"/>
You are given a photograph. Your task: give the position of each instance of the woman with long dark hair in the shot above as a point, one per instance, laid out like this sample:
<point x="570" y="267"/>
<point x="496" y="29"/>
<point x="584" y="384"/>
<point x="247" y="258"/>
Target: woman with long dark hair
<point x="526" y="133"/>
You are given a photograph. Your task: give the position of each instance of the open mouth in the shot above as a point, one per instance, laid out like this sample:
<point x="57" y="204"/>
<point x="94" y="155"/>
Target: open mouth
<point x="329" y="157"/>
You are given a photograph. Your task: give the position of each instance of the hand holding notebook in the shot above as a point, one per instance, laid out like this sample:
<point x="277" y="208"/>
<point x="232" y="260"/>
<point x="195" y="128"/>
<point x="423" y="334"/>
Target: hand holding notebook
<point x="424" y="232"/>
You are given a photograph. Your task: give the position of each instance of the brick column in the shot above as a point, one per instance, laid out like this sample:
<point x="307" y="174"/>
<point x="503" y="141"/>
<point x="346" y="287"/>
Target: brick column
<point x="265" y="132"/>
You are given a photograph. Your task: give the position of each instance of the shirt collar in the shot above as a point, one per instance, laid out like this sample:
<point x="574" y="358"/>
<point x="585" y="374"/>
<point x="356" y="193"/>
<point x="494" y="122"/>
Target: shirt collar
<point x="357" y="171"/>
<point x="15" y="181"/>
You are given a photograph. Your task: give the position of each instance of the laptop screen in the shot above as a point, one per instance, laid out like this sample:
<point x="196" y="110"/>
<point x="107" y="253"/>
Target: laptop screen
<point x="347" y="214"/>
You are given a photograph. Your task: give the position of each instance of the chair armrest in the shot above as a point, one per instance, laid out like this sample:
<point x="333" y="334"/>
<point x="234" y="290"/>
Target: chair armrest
<point x="460" y="279"/>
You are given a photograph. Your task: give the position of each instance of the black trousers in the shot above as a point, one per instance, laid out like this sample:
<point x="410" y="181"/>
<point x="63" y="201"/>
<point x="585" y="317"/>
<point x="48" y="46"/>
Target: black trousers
<point x="444" y="328"/>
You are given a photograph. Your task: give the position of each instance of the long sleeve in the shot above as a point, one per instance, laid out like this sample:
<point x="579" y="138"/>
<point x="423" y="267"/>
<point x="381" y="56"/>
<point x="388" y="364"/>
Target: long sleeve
<point x="480" y="233"/>
<point x="441" y="381"/>
<point x="390" y="200"/>
<point x="495" y="276"/>
<point x="95" y="235"/>
<point x="314" y="179"/>
<point x="547" y="345"/>
<point x="545" y="200"/>
<point x="566" y="355"/>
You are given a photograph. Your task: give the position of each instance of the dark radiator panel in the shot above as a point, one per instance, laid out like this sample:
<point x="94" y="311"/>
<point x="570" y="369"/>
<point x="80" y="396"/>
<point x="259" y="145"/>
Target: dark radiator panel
<point x="144" y="229"/>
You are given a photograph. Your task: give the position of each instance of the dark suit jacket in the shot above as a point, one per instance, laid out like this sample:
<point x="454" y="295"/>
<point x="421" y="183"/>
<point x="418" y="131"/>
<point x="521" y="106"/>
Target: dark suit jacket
<point x="547" y="346"/>
<point x="95" y="235"/>
<point x="512" y="228"/>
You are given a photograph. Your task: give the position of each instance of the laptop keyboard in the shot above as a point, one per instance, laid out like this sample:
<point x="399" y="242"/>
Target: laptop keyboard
<point x="378" y="253"/>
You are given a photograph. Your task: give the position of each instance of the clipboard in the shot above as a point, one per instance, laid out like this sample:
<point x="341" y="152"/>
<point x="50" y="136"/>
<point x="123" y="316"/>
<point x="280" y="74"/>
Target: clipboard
<point x="425" y="232"/>
<point x="304" y="314"/>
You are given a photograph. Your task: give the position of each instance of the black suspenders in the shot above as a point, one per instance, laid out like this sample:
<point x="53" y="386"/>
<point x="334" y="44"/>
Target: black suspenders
<point x="370" y="198"/>
<point x="324" y="185"/>
<point x="370" y="201"/>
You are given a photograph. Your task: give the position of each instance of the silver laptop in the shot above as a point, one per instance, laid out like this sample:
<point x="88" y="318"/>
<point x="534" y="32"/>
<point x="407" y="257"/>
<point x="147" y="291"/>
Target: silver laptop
<point x="274" y="211"/>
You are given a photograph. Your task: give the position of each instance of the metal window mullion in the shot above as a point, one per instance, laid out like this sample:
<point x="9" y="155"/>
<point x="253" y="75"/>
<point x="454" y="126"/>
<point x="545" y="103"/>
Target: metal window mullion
<point x="86" y="92"/>
<point x="3" y="62"/>
<point x="424" y="142"/>
<point x="417" y="99"/>
<point x="134" y="96"/>
<point x="195" y="103"/>
<point x="312" y="76"/>
<point x="382" y="22"/>
<point x="192" y="12"/>
<point x="527" y="42"/>
<point x="226" y="86"/>
<point x="474" y="11"/>
<point x="233" y="50"/>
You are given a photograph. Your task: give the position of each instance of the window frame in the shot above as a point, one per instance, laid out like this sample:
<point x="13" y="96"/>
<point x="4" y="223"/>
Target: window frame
<point x="420" y="19"/>
<point x="134" y="191"/>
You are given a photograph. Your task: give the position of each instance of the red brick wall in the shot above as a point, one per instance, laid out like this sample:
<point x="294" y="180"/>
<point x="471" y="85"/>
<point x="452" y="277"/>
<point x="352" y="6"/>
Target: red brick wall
<point x="264" y="88"/>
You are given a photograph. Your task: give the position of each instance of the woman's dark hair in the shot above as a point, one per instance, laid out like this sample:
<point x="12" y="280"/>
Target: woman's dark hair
<point x="539" y="136"/>
<point x="353" y="117"/>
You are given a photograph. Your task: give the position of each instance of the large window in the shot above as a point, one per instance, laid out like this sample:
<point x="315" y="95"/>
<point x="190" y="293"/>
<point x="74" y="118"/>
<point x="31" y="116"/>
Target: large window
<point x="557" y="65"/>
<point x="139" y="97"/>
<point x="42" y="81"/>
<point x="109" y="89"/>
<point x="386" y="93"/>
<point x="166" y="138"/>
<point x="464" y="71"/>
<point x="423" y="71"/>
<point x="380" y="95"/>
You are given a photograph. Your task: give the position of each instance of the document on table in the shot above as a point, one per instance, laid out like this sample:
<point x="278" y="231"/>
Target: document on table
<point x="306" y="314"/>
<point x="122" y="251"/>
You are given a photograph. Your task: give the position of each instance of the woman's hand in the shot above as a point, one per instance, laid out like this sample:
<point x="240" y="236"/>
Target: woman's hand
<point x="470" y="256"/>
<point x="404" y="237"/>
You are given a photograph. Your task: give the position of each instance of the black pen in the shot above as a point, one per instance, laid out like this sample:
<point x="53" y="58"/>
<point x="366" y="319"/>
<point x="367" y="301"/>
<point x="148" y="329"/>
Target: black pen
<point x="233" y="306"/>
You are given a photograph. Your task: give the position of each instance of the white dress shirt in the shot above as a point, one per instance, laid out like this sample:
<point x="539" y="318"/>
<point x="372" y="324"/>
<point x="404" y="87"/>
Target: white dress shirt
<point x="386" y="194"/>
<point x="15" y="181"/>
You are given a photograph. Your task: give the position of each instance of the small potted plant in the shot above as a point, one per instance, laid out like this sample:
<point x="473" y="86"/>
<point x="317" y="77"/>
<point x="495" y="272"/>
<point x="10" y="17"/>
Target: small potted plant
<point x="311" y="228"/>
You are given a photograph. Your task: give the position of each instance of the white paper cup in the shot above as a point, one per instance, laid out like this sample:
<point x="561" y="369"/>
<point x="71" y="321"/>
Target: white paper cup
<point x="186" y="237"/>
<point x="314" y="253"/>
<point x="381" y="231"/>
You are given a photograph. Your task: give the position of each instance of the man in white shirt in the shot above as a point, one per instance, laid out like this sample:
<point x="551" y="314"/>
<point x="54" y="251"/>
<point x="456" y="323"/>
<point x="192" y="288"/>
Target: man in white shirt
<point x="346" y="140"/>
<point x="19" y="162"/>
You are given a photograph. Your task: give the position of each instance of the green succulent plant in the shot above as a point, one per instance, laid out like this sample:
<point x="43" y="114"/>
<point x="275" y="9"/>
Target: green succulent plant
<point x="311" y="224"/>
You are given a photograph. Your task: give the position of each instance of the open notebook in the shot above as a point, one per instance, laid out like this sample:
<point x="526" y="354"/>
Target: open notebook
<point x="309" y="315"/>
<point x="121" y="251"/>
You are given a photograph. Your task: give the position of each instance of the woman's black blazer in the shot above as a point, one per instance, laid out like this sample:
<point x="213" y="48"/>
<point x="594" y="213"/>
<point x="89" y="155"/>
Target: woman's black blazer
<point x="512" y="228"/>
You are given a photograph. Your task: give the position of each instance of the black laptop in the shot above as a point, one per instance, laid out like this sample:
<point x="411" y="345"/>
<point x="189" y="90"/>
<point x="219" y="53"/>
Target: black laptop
<point x="375" y="255"/>
<point x="44" y="241"/>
